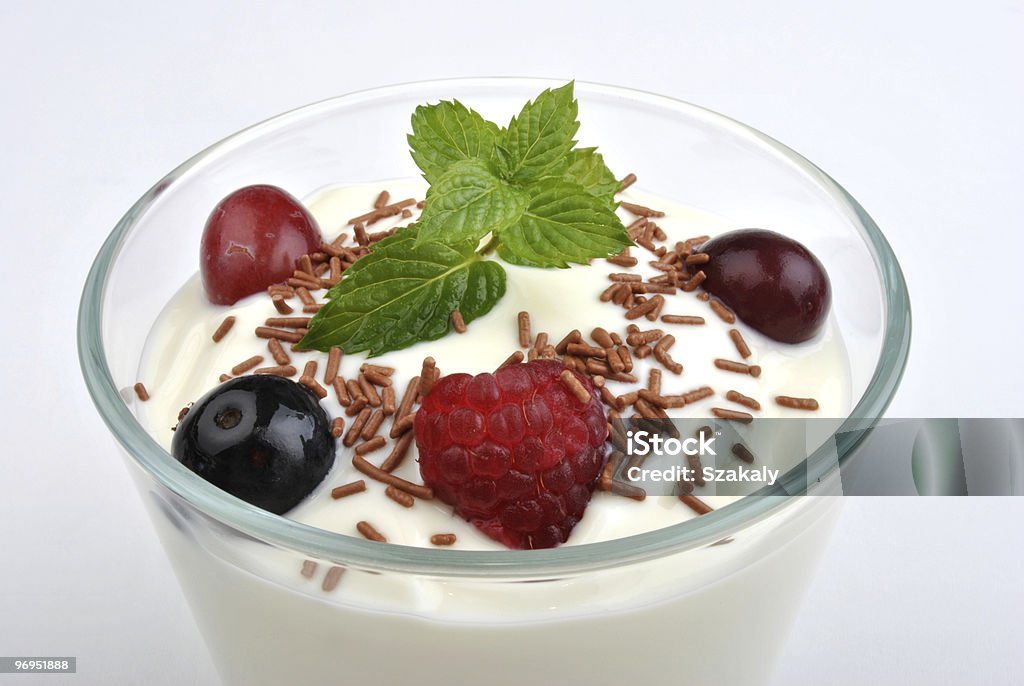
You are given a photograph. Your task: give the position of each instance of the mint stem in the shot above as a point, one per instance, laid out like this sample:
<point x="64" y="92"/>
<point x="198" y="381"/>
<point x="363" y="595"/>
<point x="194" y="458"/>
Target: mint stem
<point x="489" y="246"/>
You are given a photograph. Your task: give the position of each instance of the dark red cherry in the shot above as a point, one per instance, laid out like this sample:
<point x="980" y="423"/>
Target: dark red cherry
<point x="254" y="238"/>
<point x="771" y="282"/>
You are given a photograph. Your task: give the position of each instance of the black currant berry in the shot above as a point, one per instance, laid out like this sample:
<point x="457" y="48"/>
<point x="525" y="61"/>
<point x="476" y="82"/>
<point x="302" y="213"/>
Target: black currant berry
<point x="261" y="438"/>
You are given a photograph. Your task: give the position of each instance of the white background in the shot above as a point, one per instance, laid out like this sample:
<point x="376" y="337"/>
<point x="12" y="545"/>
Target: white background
<point x="916" y="108"/>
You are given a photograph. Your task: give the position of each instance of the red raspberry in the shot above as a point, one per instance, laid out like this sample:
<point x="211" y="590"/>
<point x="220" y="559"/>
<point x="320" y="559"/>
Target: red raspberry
<point x="515" y="452"/>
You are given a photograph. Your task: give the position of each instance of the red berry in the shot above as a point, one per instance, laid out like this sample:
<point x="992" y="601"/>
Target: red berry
<point x="254" y="238"/>
<point x="514" y="452"/>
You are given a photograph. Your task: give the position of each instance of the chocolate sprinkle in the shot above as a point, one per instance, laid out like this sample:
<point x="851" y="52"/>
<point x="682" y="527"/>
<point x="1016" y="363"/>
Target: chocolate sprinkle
<point x="375" y="443"/>
<point x="746" y="401"/>
<point x="344" y="399"/>
<point x="280" y="370"/>
<point x="696" y="280"/>
<point x="696" y="504"/>
<point x="375" y="377"/>
<point x="523" y="323"/>
<point x="514" y="358"/>
<point x="573" y="336"/>
<point x="369" y="391"/>
<point x="408" y="398"/>
<point x="348" y="489"/>
<point x="398" y="453"/>
<point x="628" y="490"/>
<point x="372" y="426"/>
<point x="682" y="319"/>
<point x="388" y="400"/>
<point x="278" y="352"/>
<point x="741" y="345"/>
<point x="722" y="311"/>
<point x="400" y="497"/>
<point x="140" y="390"/>
<point x="797" y="403"/>
<point x="333" y="364"/>
<point x="378" y="474"/>
<point x="645" y="307"/>
<point x="698" y="394"/>
<point x="367" y="530"/>
<point x="457" y="322"/>
<point x="308" y="569"/>
<point x="355" y="391"/>
<point x="331" y="578"/>
<point x="281" y="305"/>
<point x="243" y="367"/>
<point x="280" y="334"/>
<point x="337" y="426"/>
<point x="640" y="210"/>
<point x="741" y="451"/>
<point x="738" y="367"/>
<point x="404" y="424"/>
<point x="428" y="375"/>
<point x="575" y="386"/>
<point x="732" y="415"/>
<point x="223" y="329"/>
<point x="357" y="426"/>
<point x="313" y="385"/>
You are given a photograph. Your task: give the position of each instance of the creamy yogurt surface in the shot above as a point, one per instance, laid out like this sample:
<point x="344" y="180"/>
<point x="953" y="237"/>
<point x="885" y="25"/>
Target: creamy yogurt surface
<point x="181" y="364"/>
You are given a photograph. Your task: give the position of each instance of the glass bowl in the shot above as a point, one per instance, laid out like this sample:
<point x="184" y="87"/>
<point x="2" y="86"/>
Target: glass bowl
<point x="678" y="150"/>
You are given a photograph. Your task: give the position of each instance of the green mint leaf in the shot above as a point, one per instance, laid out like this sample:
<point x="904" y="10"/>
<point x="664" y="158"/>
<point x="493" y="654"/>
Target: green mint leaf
<point x="503" y="161"/>
<point x="404" y="292"/>
<point x="564" y="223"/>
<point x="448" y="132"/>
<point x="587" y="168"/>
<point x="467" y="202"/>
<point x="542" y="134"/>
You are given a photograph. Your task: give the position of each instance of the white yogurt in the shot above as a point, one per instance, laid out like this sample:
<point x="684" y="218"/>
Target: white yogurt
<point x="713" y="614"/>
<point x="182" y="363"/>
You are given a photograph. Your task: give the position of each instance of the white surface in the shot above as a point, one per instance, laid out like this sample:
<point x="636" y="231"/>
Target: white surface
<point x="914" y="107"/>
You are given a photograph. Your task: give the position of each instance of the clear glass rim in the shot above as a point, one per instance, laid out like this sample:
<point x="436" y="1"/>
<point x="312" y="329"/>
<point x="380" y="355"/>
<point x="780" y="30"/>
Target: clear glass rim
<point x="328" y="545"/>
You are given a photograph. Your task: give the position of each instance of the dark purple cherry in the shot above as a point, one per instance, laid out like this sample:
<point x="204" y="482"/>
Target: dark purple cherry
<point x="774" y="284"/>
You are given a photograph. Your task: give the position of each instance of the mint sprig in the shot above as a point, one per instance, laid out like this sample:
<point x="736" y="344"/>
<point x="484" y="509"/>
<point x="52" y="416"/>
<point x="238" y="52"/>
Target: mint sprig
<point x="537" y="199"/>
<point x="587" y="168"/>
<point x="404" y="292"/>
<point x="564" y="223"/>
<point x="446" y="133"/>
<point x="540" y="137"/>
<point x="488" y="193"/>
<point x="467" y="201"/>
